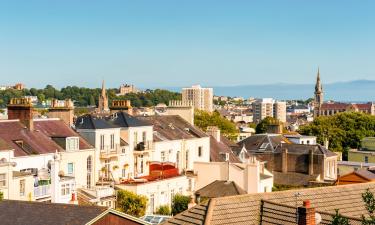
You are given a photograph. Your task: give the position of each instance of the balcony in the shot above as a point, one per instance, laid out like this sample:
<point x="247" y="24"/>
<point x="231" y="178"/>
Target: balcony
<point x="42" y="191"/>
<point x="144" y="146"/>
<point x="96" y="193"/>
<point x="108" y="152"/>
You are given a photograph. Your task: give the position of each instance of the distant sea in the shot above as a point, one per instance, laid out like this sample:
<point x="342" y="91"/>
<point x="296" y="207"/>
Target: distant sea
<point x="353" y="91"/>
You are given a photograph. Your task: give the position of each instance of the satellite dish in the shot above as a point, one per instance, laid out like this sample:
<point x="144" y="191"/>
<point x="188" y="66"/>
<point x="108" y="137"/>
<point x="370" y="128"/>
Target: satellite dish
<point x="318" y="218"/>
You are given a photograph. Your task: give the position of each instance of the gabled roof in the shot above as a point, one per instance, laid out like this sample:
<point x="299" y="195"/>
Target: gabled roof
<point x="218" y="149"/>
<point x="123" y="119"/>
<point x="172" y="127"/>
<point x="36" y="213"/>
<point x="92" y="122"/>
<point x="245" y="209"/>
<point x="220" y="188"/>
<point x="39" y="140"/>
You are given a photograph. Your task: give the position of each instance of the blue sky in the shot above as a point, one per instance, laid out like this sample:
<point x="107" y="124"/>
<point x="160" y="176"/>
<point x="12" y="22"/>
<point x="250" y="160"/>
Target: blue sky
<point x="158" y="43"/>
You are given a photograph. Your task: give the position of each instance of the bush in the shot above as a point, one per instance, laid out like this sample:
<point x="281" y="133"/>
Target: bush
<point x="131" y="203"/>
<point x="163" y="210"/>
<point x="180" y="203"/>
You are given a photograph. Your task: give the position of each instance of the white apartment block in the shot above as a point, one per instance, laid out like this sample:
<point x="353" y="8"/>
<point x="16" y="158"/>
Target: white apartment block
<point x="202" y="98"/>
<point x="268" y="107"/>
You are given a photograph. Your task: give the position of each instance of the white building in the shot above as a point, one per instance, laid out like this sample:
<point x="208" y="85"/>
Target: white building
<point x="202" y="98"/>
<point x="268" y="107"/>
<point x="301" y="139"/>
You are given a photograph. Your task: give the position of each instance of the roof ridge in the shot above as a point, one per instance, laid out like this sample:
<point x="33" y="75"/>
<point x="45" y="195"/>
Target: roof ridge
<point x="209" y="211"/>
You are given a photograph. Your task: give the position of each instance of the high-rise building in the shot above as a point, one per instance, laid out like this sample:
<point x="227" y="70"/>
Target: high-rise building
<point x="202" y="98"/>
<point x="268" y="107"/>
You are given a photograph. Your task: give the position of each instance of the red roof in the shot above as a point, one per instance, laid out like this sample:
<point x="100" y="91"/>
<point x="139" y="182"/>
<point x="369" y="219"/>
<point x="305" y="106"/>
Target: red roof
<point x="39" y="140"/>
<point x="344" y="106"/>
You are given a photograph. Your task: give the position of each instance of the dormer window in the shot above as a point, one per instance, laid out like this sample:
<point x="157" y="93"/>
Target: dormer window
<point x="264" y="146"/>
<point x="72" y="143"/>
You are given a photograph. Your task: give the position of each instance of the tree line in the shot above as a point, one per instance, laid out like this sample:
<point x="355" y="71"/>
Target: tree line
<point x="89" y="96"/>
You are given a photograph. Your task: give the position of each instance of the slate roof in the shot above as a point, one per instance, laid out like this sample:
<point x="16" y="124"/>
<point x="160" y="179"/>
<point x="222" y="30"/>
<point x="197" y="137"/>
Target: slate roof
<point x="92" y="122"/>
<point x="38" y="141"/>
<point x="4" y="145"/>
<point x="220" y="188"/>
<point x="172" y="127"/>
<point x="36" y="213"/>
<point x="245" y="209"/>
<point x="276" y="143"/>
<point x="123" y="119"/>
<point x="217" y="149"/>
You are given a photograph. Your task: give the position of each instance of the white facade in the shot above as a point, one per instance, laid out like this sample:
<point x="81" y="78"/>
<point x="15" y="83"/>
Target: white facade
<point x="251" y="177"/>
<point x="302" y="139"/>
<point x="268" y="107"/>
<point x="202" y="98"/>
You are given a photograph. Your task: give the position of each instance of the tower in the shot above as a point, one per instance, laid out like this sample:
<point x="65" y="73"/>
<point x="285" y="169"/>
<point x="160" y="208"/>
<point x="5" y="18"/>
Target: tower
<point x="103" y="100"/>
<point x="318" y="95"/>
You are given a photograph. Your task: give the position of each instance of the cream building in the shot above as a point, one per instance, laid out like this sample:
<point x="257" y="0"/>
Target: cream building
<point x="268" y="107"/>
<point x="202" y="98"/>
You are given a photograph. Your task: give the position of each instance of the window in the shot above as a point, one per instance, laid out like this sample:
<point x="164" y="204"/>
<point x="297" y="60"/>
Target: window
<point x="22" y="187"/>
<point x="112" y="141"/>
<point x="3" y="180"/>
<point x="102" y="142"/>
<point x="135" y="138"/>
<point x="308" y="142"/>
<point x="123" y="150"/>
<point x="89" y="169"/>
<point x="200" y="151"/>
<point x="123" y="173"/>
<point x="72" y="143"/>
<point x="152" y="203"/>
<point x="65" y="189"/>
<point x="70" y="168"/>
<point x="178" y="159"/>
<point x="187" y="159"/>
<point x="144" y="137"/>
<point x="162" y="156"/>
<point x="366" y="159"/>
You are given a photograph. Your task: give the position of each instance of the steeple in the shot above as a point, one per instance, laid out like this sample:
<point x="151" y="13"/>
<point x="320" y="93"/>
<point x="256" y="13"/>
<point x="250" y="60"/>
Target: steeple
<point x="103" y="100"/>
<point x="318" y="85"/>
<point x="318" y="95"/>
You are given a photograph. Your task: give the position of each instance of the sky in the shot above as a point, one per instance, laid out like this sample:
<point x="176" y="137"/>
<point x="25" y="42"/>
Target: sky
<point x="164" y="43"/>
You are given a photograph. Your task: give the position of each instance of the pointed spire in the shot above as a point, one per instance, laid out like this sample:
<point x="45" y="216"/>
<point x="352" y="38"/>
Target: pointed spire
<point x="103" y="89"/>
<point x="318" y="85"/>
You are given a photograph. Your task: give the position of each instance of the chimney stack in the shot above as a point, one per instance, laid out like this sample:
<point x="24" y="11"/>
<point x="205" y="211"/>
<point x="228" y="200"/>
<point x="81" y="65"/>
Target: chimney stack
<point x="21" y="109"/>
<point x="284" y="160"/>
<point x="62" y="109"/>
<point x="214" y="131"/>
<point x="306" y="214"/>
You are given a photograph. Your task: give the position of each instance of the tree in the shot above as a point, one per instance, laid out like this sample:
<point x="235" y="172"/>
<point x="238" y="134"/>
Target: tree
<point x="342" y="130"/>
<point x="264" y="124"/>
<point x="1" y="196"/>
<point x="180" y="203"/>
<point x="131" y="203"/>
<point x="338" y="219"/>
<point x="369" y="200"/>
<point x="163" y="210"/>
<point x="203" y="119"/>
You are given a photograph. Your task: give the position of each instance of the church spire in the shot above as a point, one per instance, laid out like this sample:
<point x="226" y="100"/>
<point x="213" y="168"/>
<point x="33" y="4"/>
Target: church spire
<point x="103" y="89"/>
<point x="103" y="100"/>
<point x="318" y="85"/>
<point x="318" y="98"/>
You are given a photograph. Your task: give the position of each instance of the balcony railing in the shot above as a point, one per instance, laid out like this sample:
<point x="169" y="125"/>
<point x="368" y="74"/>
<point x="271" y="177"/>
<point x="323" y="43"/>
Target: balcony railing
<point x="142" y="146"/>
<point x="108" y="151"/>
<point x="42" y="191"/>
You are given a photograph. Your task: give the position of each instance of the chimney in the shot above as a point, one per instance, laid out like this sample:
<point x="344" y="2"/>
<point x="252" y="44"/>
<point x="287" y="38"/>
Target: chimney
<point x="21" y="109"/>
<point x="214" y="132"/>
<point x="121" y="105"/>
<point x="306" y="214"/>
<point x="74" y="199"/>
<point x="62" y="109"/>
<point x="311" y="162"/>
<point x="284" y="160"/>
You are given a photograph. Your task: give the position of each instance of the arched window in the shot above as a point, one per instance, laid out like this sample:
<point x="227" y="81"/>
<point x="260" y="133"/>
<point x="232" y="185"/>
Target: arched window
<point x="89" y="170"/>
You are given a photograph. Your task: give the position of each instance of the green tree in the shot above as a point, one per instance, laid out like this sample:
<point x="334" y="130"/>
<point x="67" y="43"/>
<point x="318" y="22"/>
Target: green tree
<point x="131" y="203"/>
<point x="1" y="196"/>
<point x="369" y="200"/>
<point x="342" y="130"/>
<point x="163" y="210"/>
<point x="338" y="219"/>
<point x="203" y="119"/>
<point x="180" y="203"/>
<point x="262" y="126"/>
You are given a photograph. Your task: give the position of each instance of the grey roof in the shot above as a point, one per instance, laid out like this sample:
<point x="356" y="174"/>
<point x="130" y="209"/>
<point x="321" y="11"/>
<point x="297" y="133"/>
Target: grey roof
<point x="36" y="213"/>
<point x="123" y="119"/>
<point x="218" y="149"/>
<point x="172" y="127"/>
<point x="245" y="209"/>
<point x="220" y="188"/>
<point x="276" y="143"/>
<point x="90" y="121"/>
